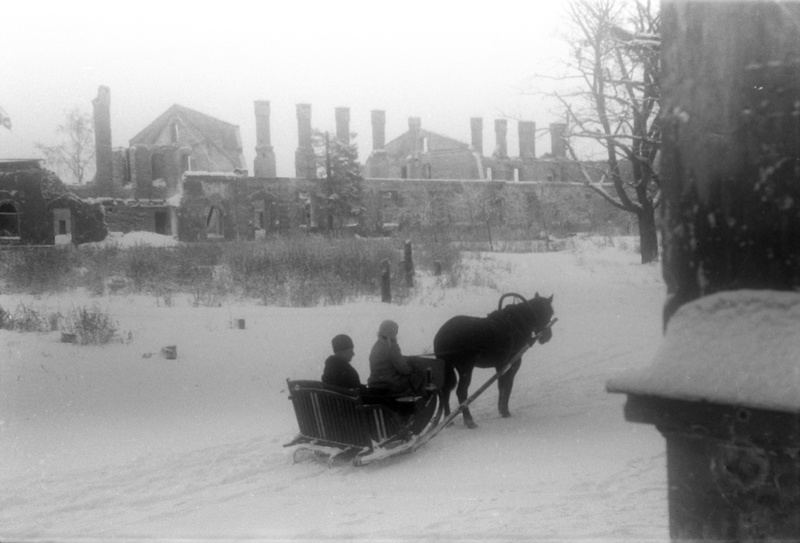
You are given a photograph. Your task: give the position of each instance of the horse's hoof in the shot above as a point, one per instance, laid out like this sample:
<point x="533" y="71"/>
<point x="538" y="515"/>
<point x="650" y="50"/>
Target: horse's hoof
<point x="505" y="414"/>
<point x="470" y="424"/>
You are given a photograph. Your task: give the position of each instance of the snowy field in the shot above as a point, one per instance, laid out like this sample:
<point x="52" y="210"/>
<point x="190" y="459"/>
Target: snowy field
<point x="119" y="442"/>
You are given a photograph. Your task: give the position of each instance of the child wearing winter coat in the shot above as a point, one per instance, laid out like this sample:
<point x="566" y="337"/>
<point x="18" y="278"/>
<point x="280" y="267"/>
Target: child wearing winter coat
<point x="389" y="369"/>
<point x="338" y="370"/>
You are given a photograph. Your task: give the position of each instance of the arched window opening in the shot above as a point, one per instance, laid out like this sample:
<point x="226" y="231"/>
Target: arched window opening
<point x="214" y="226"/>
<point x="9" y="220"/>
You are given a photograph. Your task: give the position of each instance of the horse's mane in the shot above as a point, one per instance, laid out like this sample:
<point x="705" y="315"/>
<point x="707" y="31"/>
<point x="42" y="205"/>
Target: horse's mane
<point x="532" y="310"/>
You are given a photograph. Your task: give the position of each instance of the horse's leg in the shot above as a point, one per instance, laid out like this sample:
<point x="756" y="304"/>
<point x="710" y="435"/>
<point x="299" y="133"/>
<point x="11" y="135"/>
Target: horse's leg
<point x="449" y="385"/>
<point x="462" y="391"/>
<point x="504" y="385"/>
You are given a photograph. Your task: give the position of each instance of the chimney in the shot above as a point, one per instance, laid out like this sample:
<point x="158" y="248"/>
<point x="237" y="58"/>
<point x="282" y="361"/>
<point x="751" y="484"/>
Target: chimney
<point x="102" y="140"/>
<point x="304" y="161"/>
<point x="378" y="130"/>
<point x="501" y="147"/>
<point x="527" y="139"/>
<point x="476" y="124"/>
<point x="264" y="163"/>
<point x="414" y="128"/>
<point x="343" y="124"/>
<point x="558" y="145"/>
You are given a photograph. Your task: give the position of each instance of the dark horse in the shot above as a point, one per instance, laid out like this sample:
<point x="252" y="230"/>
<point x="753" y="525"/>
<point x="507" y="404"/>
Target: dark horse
<point x="466" y="342"/>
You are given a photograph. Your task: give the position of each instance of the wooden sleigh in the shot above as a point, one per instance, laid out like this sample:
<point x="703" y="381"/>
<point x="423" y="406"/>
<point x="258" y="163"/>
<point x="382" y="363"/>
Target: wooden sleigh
<point x="363" y="426"/>
<point x="338" y="423"/>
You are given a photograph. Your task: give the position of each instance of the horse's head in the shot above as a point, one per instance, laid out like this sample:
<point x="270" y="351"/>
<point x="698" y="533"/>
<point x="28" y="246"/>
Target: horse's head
<point x="530" y="316"/>
<point x="542" y="311"/>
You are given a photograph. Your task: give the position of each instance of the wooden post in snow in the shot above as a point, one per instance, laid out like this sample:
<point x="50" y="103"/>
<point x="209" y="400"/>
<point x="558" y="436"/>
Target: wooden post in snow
<point x="408" y="265"/>
<point x="386" y="282"/>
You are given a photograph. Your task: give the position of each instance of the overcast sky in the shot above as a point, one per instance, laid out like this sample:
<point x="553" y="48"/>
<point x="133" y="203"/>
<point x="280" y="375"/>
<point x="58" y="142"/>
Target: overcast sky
<point x="442" y="61"/>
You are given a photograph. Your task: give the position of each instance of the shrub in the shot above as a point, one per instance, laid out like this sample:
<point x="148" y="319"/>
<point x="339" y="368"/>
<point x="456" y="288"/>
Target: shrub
<point x="90" y="325"/>
<point x="37" y="269"/>
<point x="25" y="318"/>
<point x="288" y="270"/>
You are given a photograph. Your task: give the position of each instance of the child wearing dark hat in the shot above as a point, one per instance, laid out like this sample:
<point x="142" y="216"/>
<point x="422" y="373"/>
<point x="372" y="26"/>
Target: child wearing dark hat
<point x="338" y="370"/>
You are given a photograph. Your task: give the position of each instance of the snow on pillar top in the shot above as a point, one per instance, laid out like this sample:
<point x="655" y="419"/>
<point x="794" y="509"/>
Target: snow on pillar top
<point x="734" y="347"/>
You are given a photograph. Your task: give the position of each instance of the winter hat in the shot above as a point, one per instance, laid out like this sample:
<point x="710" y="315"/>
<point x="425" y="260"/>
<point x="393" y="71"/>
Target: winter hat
<point x="342" y="342"/>
<point x="388" y="329"/>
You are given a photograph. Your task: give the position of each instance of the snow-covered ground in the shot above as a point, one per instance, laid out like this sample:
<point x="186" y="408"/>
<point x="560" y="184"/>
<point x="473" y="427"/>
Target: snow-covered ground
<point x="119" y="442"/>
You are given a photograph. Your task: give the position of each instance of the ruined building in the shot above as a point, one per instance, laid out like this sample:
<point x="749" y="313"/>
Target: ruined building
<point x="36" y="208"/>
<point x="422" y="154"/>
<point x="138" y="185"/>
<point x="184" y="175"/>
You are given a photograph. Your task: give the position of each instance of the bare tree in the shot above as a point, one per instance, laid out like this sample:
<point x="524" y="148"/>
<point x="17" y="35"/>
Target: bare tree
<point x="73" y="158"/>
<point x="615" y="59"/>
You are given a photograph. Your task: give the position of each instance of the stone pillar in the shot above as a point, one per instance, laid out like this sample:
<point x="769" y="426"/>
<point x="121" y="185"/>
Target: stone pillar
<point x="722" y="389"/>
<point x="501" y="145"/>
<point x="731" y="146"/>
<point x="264" y="163"/>
<point x="102" y="140"/>
<point x="343" y="124"/>
<point x="558" y="145"/>
<point x="476" y="127"/>
<point x="527" y="140"/>
<point x="304" y="161"/>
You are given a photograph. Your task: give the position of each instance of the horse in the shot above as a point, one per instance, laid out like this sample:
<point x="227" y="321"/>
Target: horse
<point x="465" y="342"/>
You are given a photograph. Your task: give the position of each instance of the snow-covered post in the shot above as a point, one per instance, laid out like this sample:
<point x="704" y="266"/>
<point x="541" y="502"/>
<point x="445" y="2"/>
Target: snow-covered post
<point x="724" y="388"/>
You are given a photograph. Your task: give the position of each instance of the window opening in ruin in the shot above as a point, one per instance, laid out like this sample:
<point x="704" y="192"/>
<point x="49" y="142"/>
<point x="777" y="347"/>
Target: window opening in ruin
<point x="186" y="163"/>
<point x="161" y="222"/>
<point x="489" y="174"/>
<point x="424" y="145"/>
<point x="62" y="227"/>
<point x="259" y="215"/>
<point x="516" y="175"/>
<point x="156" y="167"/>
<point x="173" y="132"/>
<point x="214" y="223"/>
<point x="9" y="220"/>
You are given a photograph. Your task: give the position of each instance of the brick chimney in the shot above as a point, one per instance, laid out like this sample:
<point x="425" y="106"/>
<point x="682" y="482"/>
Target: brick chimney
<point x="476" y="126"/>
<point x="264" y="163"/>
<point x="501" y="147"/>
<point x="104" y="156"/>
<point x="343" y="124"/>
<point x="558" y="145"/>
<point x="414" y="129"/>
<point x="527" y="139"/>
<point x="304" y="162"/>
<point x="378" y="130"/>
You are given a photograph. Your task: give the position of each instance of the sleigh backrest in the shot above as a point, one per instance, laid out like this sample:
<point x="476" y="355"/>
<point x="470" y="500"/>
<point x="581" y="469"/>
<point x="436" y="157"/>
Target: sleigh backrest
<point x="339" y="417"/>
